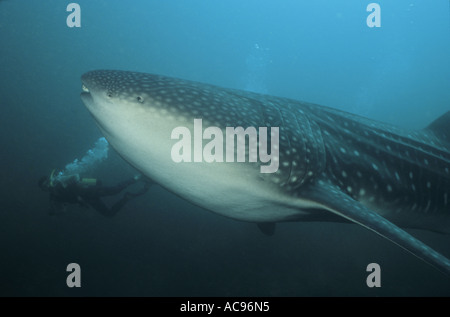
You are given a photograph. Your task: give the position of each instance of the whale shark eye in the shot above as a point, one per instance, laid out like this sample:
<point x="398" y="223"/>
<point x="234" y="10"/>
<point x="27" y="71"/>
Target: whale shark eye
<point x="140" y="99"/>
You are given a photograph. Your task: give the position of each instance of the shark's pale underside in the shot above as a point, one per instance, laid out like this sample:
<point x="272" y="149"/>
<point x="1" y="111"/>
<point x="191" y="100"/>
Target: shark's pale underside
<point x="333" y="166"/>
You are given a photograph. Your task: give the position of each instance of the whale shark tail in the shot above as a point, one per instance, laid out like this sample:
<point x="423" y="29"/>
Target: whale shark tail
<point x="441" y="127"/>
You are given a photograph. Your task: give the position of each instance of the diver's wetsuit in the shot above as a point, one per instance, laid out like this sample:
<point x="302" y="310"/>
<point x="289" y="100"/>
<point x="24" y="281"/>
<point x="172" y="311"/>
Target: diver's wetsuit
<point x="76" y="193"/>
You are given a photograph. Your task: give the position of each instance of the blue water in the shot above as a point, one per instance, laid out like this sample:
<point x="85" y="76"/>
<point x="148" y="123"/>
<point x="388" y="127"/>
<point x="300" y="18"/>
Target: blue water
<point x="319" y="51"/>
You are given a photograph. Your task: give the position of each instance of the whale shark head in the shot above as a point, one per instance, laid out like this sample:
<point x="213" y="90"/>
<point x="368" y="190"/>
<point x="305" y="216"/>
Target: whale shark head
<point x="137" y="113"/>
<point x="120" y="101"/>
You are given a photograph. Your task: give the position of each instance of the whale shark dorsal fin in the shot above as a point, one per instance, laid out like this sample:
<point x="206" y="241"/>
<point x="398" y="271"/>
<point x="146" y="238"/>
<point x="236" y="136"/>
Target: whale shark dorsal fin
<point x="331" y="198"/>
<point x="441" y="127"/>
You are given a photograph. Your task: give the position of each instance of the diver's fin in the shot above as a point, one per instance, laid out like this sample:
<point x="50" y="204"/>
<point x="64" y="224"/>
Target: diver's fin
<point x="334" y="200"/>
<point x="268" y="228"/>
<point x="441" y="127"/>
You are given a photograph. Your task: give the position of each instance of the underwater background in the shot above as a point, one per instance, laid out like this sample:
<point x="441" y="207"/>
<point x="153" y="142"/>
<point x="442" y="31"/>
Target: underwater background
<point x="318" y="51"/>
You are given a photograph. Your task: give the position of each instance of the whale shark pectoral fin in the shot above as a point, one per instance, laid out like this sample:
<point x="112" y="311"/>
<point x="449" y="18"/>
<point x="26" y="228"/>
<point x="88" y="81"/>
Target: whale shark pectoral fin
<point x="268" y="228"/>
<point x="333" y="199"/>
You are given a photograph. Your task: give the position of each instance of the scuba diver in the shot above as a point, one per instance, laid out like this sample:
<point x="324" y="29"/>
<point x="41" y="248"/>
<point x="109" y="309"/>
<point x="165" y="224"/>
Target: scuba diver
<point x="87" y="192"/>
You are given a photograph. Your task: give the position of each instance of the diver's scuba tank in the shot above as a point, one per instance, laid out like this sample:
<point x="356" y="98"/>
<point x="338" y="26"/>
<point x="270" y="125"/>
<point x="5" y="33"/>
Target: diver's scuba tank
<point x="88" y="181"/>
<point x="65" y="180"/>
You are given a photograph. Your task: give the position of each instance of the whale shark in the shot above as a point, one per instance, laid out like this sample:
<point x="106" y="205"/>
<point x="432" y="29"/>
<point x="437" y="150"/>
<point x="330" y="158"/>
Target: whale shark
<point x="332" y="166"/>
